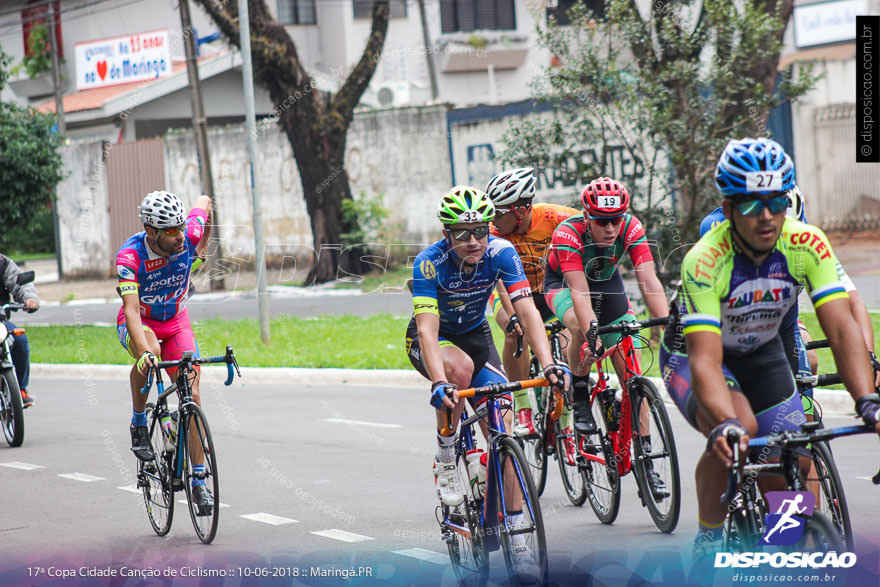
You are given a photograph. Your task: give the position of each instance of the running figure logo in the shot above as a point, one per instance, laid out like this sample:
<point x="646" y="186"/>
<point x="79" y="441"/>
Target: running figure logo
<point x="786" y="525"/>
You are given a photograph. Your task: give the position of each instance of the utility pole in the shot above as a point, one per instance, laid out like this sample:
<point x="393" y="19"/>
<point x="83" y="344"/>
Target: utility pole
<point x="247" y="73"/>
<point x="429" y="54"/>
<point x="59" y="116"/>
<point x="200" y="128"/>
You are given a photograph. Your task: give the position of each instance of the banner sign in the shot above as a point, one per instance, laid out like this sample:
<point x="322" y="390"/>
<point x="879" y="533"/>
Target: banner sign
<point x="122" y="60"/>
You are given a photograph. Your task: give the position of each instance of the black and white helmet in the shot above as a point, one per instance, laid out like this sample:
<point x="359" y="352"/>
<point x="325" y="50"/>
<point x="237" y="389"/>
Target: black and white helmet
<point x="511" y="186"/>
<point x="162" y="209"/>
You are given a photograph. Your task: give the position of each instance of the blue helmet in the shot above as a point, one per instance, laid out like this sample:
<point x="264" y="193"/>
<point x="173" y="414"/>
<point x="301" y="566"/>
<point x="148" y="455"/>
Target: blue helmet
<point x="754" y="166"/>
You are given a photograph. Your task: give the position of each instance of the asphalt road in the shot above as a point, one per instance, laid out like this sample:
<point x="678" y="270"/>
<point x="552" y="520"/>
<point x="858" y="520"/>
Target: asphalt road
<point x="312" y="478"/>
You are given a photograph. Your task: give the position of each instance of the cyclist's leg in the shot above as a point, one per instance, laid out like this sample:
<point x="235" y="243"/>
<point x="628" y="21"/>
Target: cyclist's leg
<point x="140" y="441"/>
<point x="710" y="474"/>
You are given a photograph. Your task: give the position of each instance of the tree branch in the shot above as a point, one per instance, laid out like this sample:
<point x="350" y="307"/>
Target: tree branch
<point x="343" y="103"/>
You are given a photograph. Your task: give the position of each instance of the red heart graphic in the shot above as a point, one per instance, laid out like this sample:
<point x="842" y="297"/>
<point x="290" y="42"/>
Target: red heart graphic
<point x="102" y="69"/>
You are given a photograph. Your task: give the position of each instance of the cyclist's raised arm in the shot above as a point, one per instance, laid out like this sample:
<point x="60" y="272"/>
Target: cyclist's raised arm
<point x="205" y="203"/>
<point x="652" y="289"/>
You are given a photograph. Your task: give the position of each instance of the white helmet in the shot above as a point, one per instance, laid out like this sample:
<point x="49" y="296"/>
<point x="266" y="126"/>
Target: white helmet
<point x="162" y="209"/>
<point x="797" y="206"/>
<point x="508" y="187"/>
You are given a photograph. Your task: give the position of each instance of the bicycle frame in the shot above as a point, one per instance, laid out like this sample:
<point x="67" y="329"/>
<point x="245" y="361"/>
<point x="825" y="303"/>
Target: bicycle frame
<point x="489" y="513"/>
<point x="621" y="440"/>
<point x="183" y="389"/>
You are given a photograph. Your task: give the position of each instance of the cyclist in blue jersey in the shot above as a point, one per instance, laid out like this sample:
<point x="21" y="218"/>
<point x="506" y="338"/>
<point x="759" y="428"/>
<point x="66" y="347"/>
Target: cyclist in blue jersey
<point x="154" y="268"/>
<point x="448" y="339"/>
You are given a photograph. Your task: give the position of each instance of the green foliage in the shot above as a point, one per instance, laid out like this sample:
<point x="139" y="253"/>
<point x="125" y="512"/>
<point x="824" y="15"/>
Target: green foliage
<point x="667" y="90"/>
<point x="31" y="163"/>
<point x="365" y="216"/>
<point x="35" y="237"/>
<point x="40" y="58"/>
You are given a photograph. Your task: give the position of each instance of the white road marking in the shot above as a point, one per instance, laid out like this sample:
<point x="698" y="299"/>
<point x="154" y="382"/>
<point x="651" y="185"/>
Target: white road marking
<point x="424" y="554"/>
<point x="130" y="488"/>
<point x="342" y="535"/>
<point x="362" y="423"/>
<point x="269" y="519"/>
<point x="222" y="505"/>
<point x="81" y="477"/>
<point x="22" y="466"/>
<point x="866" y="478"/>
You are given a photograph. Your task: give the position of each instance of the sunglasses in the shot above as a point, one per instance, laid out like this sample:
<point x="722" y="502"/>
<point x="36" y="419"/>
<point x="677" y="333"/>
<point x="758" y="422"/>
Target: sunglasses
<point x="172" y="231"/>
<point x="754" y="206"/>
<point x="464" y="234"/>
<point x="606" y="221"/>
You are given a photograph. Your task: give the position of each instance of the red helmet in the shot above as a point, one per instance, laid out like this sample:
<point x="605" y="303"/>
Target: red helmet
<point x="605" y="198"/>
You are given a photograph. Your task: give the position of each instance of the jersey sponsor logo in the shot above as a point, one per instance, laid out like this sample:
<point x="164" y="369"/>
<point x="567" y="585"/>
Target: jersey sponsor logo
<point x="197" y="231"/>
<point x="427" y="268"/>
<point x="812" y="240"/>
<point x="154" y="264"/>
<point x="124" y="272"/>
<point x="708" y="258"/>
<point x="163" y="298"/>
<point x="569" y="237"/>
<point x="757" y="295"/>
<point x="128" y="257"/>
<point x="170" y="281"/>
<point x="634" y="231"/>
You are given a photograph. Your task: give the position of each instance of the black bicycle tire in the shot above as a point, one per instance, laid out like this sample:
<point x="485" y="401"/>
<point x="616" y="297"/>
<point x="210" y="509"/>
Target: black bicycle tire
<point x="509" y="448"/>
<point x="576" y="497"/>
<point x="194" y="412"/>
<point x="475" y="572"/>
<point x="819" y="524"/>
<point x="609" y="470"/>
<point x="536" y="445"/>
<point x="660" y="419"/>
<point x="163" y="474"/>
<point x="832" y="485"/>
<point x="13" y="426"/>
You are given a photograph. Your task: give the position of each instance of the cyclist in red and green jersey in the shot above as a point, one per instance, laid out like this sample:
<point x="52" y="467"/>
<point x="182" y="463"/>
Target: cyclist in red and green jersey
<point x="582" y="283"/>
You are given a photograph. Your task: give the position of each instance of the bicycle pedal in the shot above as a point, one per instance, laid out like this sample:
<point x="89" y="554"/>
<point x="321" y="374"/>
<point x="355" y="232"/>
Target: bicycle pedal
<point x="177" y="484"/>
<point x="142" y="481"/>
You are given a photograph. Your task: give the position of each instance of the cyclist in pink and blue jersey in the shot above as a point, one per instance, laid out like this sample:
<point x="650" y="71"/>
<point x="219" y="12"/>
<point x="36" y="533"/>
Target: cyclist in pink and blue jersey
<point x="154" y="268"/>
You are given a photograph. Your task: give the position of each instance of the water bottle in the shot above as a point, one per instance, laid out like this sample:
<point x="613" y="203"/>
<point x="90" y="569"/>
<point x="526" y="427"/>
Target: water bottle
<point x="476" y="466"/>
<point x="169" y="425"/>
<point x="612" y="399"/>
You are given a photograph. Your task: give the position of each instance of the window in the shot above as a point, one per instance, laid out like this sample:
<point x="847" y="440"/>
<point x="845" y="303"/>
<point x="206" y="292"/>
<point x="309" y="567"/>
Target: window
<point x="363" y="9"/>
<point x="471" y="15"/>
<point x="597" y="7"/>
<point x="297" y="12"/>
<point x="34" y="17"/>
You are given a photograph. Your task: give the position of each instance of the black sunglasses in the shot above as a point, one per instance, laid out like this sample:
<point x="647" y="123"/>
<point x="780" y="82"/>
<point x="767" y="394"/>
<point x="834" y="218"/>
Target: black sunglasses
<point x="606" y="221"/>
<point x="464" y="234"/>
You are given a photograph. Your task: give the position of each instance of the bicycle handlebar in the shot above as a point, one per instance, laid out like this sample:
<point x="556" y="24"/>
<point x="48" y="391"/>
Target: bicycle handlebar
<point x="499" y="388"/>
<point x="189" y="359"/>
<point x="625" y="328"/>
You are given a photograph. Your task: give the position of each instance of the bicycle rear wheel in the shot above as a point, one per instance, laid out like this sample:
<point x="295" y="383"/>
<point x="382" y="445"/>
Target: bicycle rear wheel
<point x="154" y="478"/>
<point x="522" y="539"/>
<point x="600" y="472"/>
<point x="832" y="500"/>
<point x="572" y="477"/>
<point x="11" y="411"/>
<point x="196" y="427"/>
<point x="661" y="457"/>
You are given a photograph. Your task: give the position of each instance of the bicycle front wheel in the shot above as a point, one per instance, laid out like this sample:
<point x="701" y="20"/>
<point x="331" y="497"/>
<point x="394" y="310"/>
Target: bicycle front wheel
<point x="198" y="434"/>
<point x="11" y="411"/>
<point x="819" y="535"/>
<point x="521" y="534"/>
<point x="600" y="470"/>
<point x="659" y="458"/>
<point x="460" y="529"/>
<point x="832" y="500"/>
<point x="154" y="478"/>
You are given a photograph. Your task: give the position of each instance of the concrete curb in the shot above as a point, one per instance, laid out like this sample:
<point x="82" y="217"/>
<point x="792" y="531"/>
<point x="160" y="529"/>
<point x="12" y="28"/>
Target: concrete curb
<point x="833" y="401"/>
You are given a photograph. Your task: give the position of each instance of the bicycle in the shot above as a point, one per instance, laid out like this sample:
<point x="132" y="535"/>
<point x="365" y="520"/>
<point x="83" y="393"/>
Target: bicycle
<point x="171" y="469"/>
<point x="552" y="438"/>
<point x="619" y="441"/>
<point x="482" y="522"/>
<point x="11" y="409"/>
<point x="831" y="495"/>
<point x="744" y="525"/>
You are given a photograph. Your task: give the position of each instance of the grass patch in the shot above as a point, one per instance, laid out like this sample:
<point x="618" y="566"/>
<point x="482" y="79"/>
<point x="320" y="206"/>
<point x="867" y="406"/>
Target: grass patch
<point x="374" y="342"/>
<point x="393" y="279"/>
